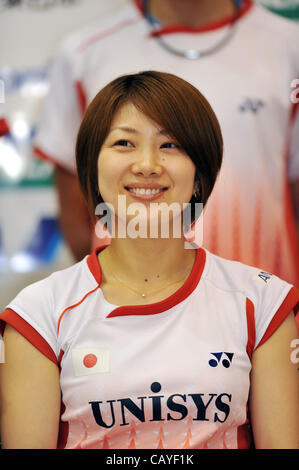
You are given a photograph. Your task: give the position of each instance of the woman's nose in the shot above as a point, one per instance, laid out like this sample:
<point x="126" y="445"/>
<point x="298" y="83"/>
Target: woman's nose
<point x="148" y="163"/>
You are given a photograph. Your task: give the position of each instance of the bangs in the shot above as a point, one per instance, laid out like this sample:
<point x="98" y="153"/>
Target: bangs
<point x="165" y="105"/>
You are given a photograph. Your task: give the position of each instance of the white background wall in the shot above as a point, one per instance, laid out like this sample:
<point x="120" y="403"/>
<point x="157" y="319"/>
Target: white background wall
<point x="29" y="36"/>
<point x="28" y="39"/>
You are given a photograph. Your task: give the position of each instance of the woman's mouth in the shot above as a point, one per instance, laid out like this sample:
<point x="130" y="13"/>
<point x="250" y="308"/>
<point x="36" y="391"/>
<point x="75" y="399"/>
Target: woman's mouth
<point x="145" y="193"/>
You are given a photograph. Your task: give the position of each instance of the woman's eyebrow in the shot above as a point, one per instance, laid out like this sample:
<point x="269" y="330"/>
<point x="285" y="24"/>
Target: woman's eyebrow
<point x="132" y="130"/>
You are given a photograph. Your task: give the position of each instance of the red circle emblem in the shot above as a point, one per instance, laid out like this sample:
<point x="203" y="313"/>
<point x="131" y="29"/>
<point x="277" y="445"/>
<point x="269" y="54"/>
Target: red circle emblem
<point x="90" y="360"/>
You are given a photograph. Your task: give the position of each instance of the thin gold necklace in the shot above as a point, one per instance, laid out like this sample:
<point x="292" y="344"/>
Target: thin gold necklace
<point x="143" y="294"/>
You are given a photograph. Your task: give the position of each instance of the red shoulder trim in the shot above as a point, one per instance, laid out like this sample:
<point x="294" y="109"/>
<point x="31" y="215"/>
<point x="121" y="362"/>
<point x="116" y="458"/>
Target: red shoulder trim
<point x="18" y="323"/>
<point x="290" y="303"/>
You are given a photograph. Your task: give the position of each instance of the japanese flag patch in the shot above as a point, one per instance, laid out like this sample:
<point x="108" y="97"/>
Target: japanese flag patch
<point x="88" y="361"/>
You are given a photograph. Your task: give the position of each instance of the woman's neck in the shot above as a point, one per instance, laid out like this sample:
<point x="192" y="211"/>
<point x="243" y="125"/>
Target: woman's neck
<point x="191" y="13"/>
<point x="148" y="262"/>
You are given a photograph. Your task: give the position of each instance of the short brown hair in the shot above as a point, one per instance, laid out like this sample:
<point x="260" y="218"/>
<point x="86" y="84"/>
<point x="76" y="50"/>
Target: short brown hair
<point x="174" y="104"/>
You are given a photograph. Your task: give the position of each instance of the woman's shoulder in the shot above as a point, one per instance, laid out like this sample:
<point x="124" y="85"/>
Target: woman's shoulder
<point x="232" y="273"/>
<point x="267" y="300"/>
<point x="44" y="299"/>
<point x="35" y="311"/>
<point x="256" y="283"/>
<point x="58" y="284"/>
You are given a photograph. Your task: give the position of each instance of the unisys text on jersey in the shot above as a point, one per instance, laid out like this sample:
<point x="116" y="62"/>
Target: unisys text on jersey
<point x="161" y="407"/>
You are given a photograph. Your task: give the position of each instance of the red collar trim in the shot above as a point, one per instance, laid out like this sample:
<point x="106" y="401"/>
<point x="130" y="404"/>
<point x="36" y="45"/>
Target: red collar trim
<point x="248" y="4"/>
<point x="158" y="307"/>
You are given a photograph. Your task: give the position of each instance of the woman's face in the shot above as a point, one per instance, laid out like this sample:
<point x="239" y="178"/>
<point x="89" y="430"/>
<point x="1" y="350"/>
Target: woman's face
<point x="140" y="161"/>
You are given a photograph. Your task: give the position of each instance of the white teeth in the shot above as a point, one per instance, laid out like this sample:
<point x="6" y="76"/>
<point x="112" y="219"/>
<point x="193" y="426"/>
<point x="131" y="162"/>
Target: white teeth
<point x="144" y="191"/>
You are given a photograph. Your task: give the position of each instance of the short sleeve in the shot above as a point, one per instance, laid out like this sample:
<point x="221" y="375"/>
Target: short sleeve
<point x="273" y="300"/>
<point x="61" y="115"/>
<point x="31" y="314"/>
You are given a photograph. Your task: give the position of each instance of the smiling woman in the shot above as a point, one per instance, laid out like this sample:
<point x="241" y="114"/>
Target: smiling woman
<point x="140" y="164"/>
<point x="146" y="344"/>
<point x="176" y="109"/>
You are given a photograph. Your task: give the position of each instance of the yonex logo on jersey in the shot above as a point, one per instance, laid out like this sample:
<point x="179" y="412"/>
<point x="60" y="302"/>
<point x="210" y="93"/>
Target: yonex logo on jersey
<point x="264" y="277"/>
<point x="226" y="362"/>
<point x="251" y="105"/>
<point x="90" y="361"/>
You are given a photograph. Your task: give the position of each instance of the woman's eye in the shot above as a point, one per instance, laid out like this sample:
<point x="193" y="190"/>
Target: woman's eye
<point x="123" y="143"/>
<point x="169" y="145"/>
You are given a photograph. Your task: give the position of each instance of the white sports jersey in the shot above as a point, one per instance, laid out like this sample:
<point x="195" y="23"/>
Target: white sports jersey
<point x="249" y="217"/>
<point x="171" y="375"/>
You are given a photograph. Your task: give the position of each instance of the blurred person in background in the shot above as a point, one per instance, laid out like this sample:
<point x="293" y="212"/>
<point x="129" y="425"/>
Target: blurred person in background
<point x="244" y="59"/>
